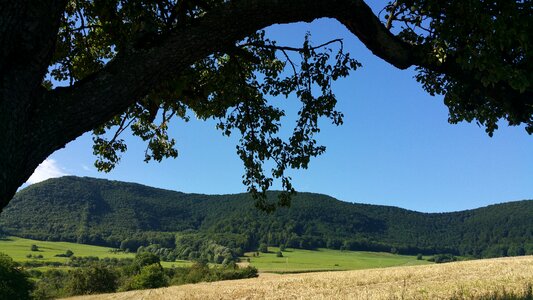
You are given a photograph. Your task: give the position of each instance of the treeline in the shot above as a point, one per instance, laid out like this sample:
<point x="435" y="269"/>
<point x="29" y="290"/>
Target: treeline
<point x="93" y="276"/>
<point x="214" y="228"/>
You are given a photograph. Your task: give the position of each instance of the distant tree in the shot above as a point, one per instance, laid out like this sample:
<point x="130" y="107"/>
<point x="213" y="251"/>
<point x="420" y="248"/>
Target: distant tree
<point x="263" y="248"/>
<point x="151" y="276"/>
<point x="14" y="283"/>
<point x="279" y="254"/>
<point x="282" y="247"/>
<point x="131" y="245"/>
<point x="516" y="250"/>
<point x="145" y="259"/>
<point x="69" y="253"/>
<point x="345" y="246"/>
<point x="92" y="280"/>
<point x="419" y="256"/>
<point x="394" y="250"/>
<point x="442" y="258"/>
<point x="34" y="248"/>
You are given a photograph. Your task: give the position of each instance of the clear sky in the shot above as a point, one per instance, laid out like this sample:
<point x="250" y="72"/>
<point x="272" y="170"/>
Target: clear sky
<point x="395" y="148"/>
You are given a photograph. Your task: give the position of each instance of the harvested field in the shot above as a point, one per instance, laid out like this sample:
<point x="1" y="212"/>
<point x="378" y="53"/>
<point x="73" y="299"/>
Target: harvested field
<point x="460" y="280"/>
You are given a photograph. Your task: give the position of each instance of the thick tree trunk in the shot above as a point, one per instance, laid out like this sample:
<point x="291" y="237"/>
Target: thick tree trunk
<point x="28" y="30"/>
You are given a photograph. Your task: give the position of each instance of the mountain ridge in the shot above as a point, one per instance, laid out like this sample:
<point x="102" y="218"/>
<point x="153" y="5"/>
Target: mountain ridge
<point x="100" y="211"/>
<point x="276" y="191"/>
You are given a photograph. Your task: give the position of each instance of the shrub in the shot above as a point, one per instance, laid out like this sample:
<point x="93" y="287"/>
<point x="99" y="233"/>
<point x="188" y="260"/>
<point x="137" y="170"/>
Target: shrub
<point x="442" y="258"/>
<point x="150" y="277"/>
<point x="141" y="260"/>
<point x="92" y="280"/>
<point x="279" y="254"/>
<point x="34" y="248"/>
<point x="50" y="285"/>
<point x="14" y="283"/>
<point x="68" y="253"/>
<point x="201" y="272"/>
<point x="419" y="256"/>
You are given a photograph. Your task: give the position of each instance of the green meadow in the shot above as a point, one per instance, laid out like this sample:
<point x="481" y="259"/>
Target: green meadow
<point x="19" y="248"/>
<point x="293" y="260"/>
<point x="297" y="260"/>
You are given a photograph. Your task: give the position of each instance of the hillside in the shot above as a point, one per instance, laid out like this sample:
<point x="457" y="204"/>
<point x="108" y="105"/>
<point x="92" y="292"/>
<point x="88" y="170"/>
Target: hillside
<point x="501" y="278"/>
<point x="102" y="212"/>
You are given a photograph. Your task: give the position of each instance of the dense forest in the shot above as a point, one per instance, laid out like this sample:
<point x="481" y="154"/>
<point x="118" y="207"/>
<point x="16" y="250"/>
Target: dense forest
<point x="219" y="227"/>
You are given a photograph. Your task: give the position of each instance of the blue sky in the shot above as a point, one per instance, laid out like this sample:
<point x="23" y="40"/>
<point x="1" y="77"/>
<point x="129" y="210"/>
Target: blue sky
<point x="395" y="148"/>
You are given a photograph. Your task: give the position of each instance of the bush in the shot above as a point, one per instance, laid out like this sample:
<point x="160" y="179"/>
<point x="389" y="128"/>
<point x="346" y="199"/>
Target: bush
<point x="68" y="253"/>
<point x="141" y="260"/>
<point x="92" y="280"/>
<point x="279" y="254"/>
<point x="50" y="285"/>
<point x="150" y="277"/>
<point x="442" y="258"/>
<point x="419" y="256"/>
<point x="34" y="248"/>
<point x="14" y="283"/>
<point x="201" y="272"/>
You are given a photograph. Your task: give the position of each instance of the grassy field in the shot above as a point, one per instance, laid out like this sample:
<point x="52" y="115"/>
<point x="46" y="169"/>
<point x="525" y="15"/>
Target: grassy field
<point x="296" y="260"/>
<point x="293" y="260"/>
<point x="477" y="279"/>
<point x="19" y="248"/>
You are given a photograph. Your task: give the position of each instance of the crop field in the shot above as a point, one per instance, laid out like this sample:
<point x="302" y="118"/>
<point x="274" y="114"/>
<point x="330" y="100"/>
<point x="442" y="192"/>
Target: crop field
<point x="297" y="260"/>
<point x="477" y="279"/>
<point x="19" y="248"/>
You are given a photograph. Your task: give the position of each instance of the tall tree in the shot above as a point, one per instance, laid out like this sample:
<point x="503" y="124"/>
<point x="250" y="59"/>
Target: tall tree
<point x="139" y="63"/>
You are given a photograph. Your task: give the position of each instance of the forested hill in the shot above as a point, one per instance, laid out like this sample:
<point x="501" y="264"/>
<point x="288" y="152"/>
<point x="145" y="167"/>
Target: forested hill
<point x="97" y="211"/>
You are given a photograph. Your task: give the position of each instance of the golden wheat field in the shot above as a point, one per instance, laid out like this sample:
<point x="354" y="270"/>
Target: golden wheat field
<point x="459" y="280"/>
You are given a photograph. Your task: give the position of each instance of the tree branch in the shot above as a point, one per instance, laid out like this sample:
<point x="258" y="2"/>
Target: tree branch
<point x="131" y="75"/>
<point x="296" y="49"/>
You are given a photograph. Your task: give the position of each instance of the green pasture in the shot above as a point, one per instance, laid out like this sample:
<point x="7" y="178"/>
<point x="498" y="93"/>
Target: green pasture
<point x="19" y="248"/>
<point x="297" y="260"/>
<point x="293" y="260"/>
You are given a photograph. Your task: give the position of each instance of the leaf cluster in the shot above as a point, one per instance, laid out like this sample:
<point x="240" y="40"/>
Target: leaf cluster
<point x="480" y="56"/>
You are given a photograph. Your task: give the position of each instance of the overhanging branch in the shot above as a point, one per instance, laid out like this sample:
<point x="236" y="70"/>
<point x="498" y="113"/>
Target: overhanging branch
<point x="130" y="76"/>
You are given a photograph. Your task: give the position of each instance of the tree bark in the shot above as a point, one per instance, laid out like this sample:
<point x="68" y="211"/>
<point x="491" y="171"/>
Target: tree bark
<point x="34" y="123"/>
<point x="28" y="30"/>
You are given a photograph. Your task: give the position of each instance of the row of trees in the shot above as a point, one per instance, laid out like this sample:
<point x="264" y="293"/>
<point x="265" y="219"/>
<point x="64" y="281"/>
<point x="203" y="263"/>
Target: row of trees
<point x="92" y="276"/>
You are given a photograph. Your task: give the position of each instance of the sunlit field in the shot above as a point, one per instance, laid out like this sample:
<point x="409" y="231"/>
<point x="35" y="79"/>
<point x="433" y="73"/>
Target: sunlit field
<point x="297" y="260"/>
<point x="20" y="248"/>
<point x="499" y="278"/>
